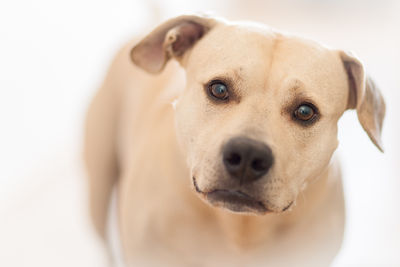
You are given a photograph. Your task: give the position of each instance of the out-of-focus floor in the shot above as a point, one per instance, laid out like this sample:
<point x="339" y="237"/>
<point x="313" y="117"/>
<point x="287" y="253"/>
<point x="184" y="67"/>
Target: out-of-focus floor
<point x="52" y="57"/>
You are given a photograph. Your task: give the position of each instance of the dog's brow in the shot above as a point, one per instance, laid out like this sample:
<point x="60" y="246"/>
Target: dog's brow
<point x="237" y="74"/>
<point x="298" y="93"/>
<point x="233" y="75"/>
<point x="295" y="95"/>
<point x="295" y="85"/>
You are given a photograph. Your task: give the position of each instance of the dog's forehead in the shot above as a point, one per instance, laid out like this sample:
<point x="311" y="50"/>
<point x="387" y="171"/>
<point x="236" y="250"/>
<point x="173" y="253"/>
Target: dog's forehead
<point x="232" y="47"/>
<point x="260" y="48"/>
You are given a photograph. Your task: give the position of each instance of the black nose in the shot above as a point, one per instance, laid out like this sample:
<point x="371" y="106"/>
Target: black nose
<point x="246" y="159"/>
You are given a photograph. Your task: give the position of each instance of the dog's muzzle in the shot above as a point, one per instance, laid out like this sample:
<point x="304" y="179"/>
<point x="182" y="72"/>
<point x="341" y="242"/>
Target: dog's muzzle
<point x="246" y="161"/>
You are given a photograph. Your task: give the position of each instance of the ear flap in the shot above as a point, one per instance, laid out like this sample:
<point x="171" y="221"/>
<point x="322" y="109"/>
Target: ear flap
<point x="171" y="39"/>
<point x="364" y="96"/>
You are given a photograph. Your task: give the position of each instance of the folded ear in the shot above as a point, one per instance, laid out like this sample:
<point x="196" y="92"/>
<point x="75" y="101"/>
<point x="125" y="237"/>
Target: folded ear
<point x="171" y="39"/>
<point x="364" y="96"/>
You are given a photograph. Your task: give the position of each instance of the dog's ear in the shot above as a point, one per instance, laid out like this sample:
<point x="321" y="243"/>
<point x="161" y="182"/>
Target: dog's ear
<point x="171" y="39"/>
<point x="364" y="96"/>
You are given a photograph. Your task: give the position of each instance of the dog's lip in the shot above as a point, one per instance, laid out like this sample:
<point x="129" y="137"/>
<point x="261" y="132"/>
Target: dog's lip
<point x="234" y="200"/>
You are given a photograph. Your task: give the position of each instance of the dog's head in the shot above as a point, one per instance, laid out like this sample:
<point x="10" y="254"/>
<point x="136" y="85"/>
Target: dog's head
<point x="258" y="117"/>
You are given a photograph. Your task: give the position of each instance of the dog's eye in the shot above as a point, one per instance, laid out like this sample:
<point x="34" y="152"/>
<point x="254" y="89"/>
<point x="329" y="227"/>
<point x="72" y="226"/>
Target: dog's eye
<point x="219" y="90"/>
<point x="305" y="112"/>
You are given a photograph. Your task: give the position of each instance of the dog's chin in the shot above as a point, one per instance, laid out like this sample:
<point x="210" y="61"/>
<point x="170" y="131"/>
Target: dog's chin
<point x="236" y="201"/>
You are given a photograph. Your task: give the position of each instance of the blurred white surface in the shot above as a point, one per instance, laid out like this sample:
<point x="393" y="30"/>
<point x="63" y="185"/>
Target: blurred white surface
<point x="53" y="56"/>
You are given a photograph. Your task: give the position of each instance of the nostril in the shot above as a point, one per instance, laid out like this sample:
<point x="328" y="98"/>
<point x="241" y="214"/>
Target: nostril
<point x="234" y="159"/>
<point x="259" y="165"/>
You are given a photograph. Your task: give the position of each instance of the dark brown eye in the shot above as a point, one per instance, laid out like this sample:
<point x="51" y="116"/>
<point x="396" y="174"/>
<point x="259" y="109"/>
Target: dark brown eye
<point x="305" y="112"/>
<point x="218" y="90"/>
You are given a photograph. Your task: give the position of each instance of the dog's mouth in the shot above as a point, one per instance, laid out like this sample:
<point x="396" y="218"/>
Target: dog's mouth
<point x="233" y="200"/>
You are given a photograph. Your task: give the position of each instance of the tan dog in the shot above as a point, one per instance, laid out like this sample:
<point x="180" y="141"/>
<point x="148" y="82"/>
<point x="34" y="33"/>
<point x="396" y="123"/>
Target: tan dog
<point x="251" y="133"/>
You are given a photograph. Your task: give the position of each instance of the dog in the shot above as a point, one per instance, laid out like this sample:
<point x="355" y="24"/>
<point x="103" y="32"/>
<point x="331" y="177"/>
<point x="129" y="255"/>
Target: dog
<point x="225" y="155"/>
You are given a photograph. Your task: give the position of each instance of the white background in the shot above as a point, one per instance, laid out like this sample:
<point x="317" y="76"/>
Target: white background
<point x="53" y="55"/>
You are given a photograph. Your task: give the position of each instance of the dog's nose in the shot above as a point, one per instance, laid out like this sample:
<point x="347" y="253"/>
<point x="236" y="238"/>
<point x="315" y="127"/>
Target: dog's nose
<point x="246" y="159"/>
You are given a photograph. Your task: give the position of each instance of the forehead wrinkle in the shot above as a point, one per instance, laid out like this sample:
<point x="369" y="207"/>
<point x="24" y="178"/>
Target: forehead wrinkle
<point x="275" y="43"/>
<point x="276" y="40"/>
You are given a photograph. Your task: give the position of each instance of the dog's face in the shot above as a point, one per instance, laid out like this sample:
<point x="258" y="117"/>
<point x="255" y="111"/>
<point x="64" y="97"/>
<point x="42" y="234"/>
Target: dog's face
<point x="258" y="118"/>
<point x="247" y="91"/>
